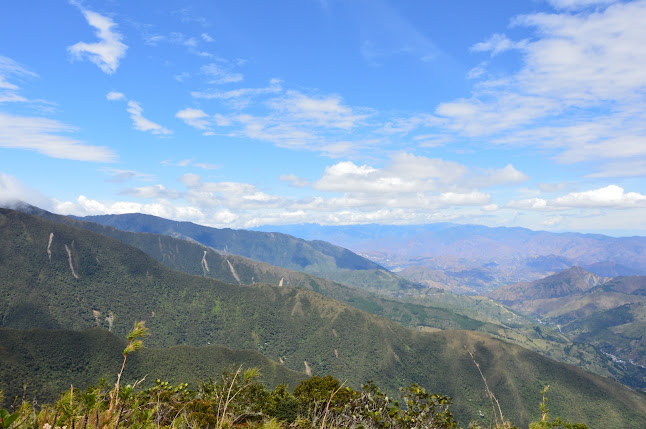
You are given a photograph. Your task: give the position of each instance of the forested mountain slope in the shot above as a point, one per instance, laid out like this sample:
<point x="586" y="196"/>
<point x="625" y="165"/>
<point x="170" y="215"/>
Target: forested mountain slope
<point x="435" y="309"/>
<point x="49" y="361"/>
<point x="57" y="276"/>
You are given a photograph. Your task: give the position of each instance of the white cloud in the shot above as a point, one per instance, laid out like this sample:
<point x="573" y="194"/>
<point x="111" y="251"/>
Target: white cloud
<point x="580" y="89"/>
<point x="191" y="180"/>
<point x="195" y="118"/>
<point x="240" y="97"/>
<point x="577" y="4"/>
<point x="318" y="111"/>
<point x="291" y="119"/>
<point x="206" y="166"/>
<point x="412" y="181"/>
<point x="551" y="187"/>
<point x="9" y="67"/>
<point x="113" y="95"/>
<point x="503" y="176"/>
<point x="84" y="206"/>
<point x="142" y="124"/>
<point x="497" y="44"/>
<point x="294" y="180"/>
<point x="44" y="136"/>
<point x="13" y="190"/>
<point x="408" y="124"/>
<point x="155" y="191"/>
<point x="8" y="90"/>
<point x="119" y="176"/>
<point x="136" y="114"/>
<point x="106" y="53"/>
<point x="219" y="75"/>
<point x="610" y="197"/>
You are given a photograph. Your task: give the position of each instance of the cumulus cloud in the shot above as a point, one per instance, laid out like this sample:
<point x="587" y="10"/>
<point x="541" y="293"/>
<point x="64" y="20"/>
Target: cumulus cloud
<point x="611" y="197"/>
<point x="409" y="173"/>
<point x="108" y="51"/>
<point x="84" y="206"/>
<point x="47" y="136"/>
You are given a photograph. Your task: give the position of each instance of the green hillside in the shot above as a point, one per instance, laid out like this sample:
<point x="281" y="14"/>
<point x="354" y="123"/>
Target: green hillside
<point x="434" y="309"/>
<point x="606" y="313"/>
<point x="48" y="361"/>
<point x="95" y="280"/>
<point x="274" y="248"/>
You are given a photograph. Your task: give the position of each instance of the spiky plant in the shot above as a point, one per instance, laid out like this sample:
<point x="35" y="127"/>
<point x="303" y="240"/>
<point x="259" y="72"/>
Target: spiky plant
<point x="134" y="344"/>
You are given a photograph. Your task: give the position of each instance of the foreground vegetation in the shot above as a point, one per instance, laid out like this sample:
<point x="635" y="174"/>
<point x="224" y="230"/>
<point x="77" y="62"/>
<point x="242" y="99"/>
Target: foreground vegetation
<point x="236" y="399"/>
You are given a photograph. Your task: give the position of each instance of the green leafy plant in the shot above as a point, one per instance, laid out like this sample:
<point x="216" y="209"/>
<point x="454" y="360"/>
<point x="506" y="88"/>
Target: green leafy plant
<point x="7" y="419"/>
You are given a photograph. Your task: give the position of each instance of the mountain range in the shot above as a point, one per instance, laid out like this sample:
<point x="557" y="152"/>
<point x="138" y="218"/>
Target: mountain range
<point x="58" y="276"/>
<point x="608" y="313"/>
<point x="475" y="259"/>
<point x="428" y="310"/>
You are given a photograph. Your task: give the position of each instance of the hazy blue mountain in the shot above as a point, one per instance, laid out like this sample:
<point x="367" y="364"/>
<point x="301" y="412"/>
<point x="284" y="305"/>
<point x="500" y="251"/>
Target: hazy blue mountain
<point x="476" y="258"/>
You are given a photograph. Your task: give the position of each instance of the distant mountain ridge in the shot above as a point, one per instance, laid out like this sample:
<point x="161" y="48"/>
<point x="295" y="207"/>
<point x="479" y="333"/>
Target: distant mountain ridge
<point x="569" y="282"/>
<point x="274" y="248"/>
<point x="315" y="257"/>
<point x="477" y="258"/>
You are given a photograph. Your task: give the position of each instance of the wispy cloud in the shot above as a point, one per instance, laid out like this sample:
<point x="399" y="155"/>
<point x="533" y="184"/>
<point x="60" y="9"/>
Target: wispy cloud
<point x="136" y="114"/>
<point x="11" y="69"/>
<point x="120" y="176"/>
<point x="219" y="75"/>
<point x="47" y="136"/>
<point x="497" y="44"/>
<point x="242" y="96"/>
<point x="142" y="124"/>
<point x="579" y="91"/>
<point x="108" y="51"/>
<point x="578" y="4"/>
<point x="291" y="119"/>
<point x="195" y="118"/>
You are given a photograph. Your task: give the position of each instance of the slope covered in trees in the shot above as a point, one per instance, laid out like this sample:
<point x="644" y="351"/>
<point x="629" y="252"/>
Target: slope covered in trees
<point x="90" y="277"/>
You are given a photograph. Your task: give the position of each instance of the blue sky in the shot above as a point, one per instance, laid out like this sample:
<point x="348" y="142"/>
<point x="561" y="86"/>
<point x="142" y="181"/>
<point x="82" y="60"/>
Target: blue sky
<point x="247" y="113"/>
